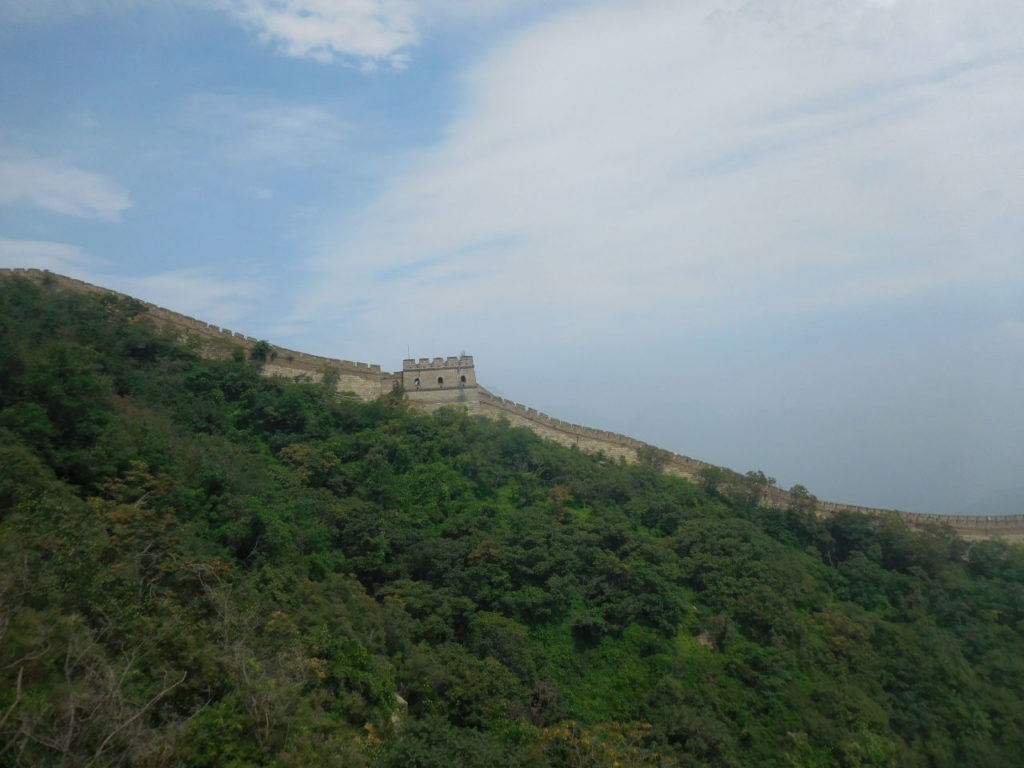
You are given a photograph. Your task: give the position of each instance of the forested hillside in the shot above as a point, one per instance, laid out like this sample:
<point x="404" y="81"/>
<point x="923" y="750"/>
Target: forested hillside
<point x="201" y="566"/>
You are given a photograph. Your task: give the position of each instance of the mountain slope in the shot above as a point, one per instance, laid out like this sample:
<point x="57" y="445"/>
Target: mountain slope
<point x="368" y="382"/>
<point x="202" y="566"/>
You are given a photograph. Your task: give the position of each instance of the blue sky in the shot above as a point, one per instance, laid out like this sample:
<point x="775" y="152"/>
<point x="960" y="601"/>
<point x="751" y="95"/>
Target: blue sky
<point x="773" y="234"/>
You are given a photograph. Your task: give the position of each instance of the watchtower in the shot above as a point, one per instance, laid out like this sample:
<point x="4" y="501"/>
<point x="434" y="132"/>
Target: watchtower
<point x="432" y="383"/>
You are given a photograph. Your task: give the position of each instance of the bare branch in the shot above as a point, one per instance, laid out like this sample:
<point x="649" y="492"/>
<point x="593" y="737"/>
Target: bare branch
<point x="17" y="699"/>
<point x="29" y="657"/>
<point x="136" y="716"/>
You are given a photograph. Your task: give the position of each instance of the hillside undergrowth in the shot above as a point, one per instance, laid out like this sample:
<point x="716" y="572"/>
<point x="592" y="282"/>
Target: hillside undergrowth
<point x="202" y="566"/>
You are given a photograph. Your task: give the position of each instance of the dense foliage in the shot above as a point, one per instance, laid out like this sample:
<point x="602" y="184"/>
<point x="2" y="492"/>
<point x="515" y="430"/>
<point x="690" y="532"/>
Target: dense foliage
<point x="200" y="566"/>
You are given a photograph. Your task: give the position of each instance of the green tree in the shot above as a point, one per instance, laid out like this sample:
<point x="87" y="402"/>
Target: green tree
<point x="261" y="351"/>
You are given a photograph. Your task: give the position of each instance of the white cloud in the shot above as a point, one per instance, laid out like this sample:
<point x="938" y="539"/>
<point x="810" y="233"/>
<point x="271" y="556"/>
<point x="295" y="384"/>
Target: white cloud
<point x="56" y="257"/>
<point x="373" y="33"/>
<point x="706" y="159"/>
<point x="370" y="30"/>
<point x="250" y="130"/>
<point x="58" y="186"/>
<point x="197" y="293"/>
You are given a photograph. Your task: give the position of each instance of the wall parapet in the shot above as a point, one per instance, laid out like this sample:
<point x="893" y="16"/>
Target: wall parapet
<point x="1008" y="521"/>
<point x="186" y="323"/>
<point x="979" y="521"/>
<point x="371" y="381"/>
<point x="532" y="414"/>
<point x="676" y="463"/>
<point x="435" y="363"/>
<point x="1010" y="526"/>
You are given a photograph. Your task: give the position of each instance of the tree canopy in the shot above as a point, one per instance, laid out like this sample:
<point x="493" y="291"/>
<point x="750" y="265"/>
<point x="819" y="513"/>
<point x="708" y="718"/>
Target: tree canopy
<point x="203" y="566"/>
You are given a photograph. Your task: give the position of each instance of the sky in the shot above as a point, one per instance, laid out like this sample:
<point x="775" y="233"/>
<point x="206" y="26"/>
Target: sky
<point x="784" y="235"/>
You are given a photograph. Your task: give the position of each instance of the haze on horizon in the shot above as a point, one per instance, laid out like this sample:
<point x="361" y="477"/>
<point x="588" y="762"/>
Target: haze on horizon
<point x="769" y="234"/>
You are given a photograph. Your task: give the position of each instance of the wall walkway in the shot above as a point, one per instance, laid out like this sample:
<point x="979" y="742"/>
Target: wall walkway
<point x="614" y="445"/>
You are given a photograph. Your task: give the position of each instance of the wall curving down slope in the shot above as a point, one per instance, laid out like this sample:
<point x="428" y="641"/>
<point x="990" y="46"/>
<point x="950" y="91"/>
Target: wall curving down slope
<point x="367" y="381"/>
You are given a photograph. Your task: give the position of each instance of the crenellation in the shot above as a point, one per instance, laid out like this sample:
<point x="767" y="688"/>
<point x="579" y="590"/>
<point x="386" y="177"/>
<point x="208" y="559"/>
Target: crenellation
<point x="432" y="382"/>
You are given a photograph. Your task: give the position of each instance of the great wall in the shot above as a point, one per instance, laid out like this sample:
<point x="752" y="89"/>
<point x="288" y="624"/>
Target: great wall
<point x="431" y="383"/>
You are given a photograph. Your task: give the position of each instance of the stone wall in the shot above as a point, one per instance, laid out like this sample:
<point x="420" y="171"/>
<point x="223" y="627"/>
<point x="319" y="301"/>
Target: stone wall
<point x="614" y="445"/>
<point x="431" y="400"/>
<point x="611" y="444"/>
<point x="368" y="382"/>
<point x="363" y="379"/>
<point x="1010" y="527"/>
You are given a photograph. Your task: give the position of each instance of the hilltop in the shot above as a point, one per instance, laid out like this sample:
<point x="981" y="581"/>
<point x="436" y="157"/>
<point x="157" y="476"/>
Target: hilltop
<point x="419" y="379"/>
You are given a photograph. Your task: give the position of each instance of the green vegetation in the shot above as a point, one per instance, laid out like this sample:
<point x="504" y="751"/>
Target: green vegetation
<point x="200" y="566"/>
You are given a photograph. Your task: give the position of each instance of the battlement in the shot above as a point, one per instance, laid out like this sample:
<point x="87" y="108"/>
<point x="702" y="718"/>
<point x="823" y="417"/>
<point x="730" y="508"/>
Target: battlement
<point x="430" y="364"/>
<point x="612" y="444"/>
<point x="438" y="373"/>
<point x="431" y="383"/>
<point x="177" y="321"/>
<point x="511" y="408"/>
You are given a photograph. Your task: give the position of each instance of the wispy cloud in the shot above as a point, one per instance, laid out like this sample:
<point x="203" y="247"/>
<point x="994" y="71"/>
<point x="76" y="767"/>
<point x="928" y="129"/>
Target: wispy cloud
<point x="58" y="186"/>
<point x="56" y="257"/>
<point x="196" y="292"/>
<point x="370" y="33"/>
<point x="373" y="31"/>
<point x="251" y="130"/>
<point x="709" y="163"/>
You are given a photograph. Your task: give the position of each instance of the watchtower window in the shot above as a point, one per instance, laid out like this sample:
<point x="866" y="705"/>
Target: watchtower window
<point x="462" y="380"/>
<point x="440" y="381"/>
<point x="416" y="383"/>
